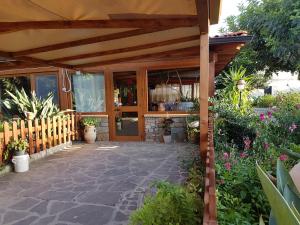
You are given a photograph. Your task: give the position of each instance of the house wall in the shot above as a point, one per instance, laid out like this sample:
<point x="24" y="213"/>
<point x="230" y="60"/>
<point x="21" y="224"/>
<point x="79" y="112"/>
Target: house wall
<point x="150" y="126"/>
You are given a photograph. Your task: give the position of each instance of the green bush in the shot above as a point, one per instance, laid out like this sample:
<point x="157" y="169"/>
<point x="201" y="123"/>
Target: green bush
<point x="282" y="100"/>
<point x="241" y="199"/>
<point x="241" y="139"/>
<point x="168" y="205"/>
<point x="265" y="101"/>
<point x="232" y="126"/>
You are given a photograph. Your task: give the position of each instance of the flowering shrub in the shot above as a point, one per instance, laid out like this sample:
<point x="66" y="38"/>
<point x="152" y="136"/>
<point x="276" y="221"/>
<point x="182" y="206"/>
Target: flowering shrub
<point x="241" y="140"/>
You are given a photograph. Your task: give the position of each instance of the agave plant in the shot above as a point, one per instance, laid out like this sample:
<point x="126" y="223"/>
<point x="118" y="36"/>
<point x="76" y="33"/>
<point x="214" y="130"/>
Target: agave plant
<point x="21" y="104"/>
<point x="284" y="199"/>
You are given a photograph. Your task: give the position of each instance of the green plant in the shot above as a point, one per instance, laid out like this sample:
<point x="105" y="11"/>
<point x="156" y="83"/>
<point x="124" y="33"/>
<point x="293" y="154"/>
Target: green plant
<point x="89" y="121"/>
<point x="284" y="200"/>
<point x="193" y="128"/>
<point x="240" y="197"/>
<point x="1" y="126"/>
<point x="166" y="125"/>
<point x="168" y="205"/>
<point x="18" y="147"/>
<point x="265" y="101"/>
<point x="229" y="91"/>
<point x="21" y="104"/>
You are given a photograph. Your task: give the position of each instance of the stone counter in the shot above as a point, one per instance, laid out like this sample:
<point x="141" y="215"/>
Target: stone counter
<point x="154" y="130"/>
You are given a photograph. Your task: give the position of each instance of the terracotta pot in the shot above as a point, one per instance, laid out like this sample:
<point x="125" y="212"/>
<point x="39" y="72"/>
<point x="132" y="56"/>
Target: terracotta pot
<point x="89" y="134"/>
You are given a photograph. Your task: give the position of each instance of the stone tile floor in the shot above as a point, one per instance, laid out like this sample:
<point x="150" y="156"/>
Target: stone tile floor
<point x="89" y="184"/>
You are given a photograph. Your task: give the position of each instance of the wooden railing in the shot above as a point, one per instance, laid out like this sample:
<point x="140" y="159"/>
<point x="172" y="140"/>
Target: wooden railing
<point x="210" y="208"/>
<point x="40" y="133"/>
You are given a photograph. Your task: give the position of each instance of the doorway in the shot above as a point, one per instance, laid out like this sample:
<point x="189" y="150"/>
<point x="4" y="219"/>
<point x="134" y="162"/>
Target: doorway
<point x="126" y="116"/>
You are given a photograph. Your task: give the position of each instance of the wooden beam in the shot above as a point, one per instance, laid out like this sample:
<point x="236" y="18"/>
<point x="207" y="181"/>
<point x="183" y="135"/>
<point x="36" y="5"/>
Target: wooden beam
<point x="87" y="41"/>
<point x="213" y="58"/>
<point x="183" y="21"/>
<point x="204" y="90"/>
<point x="202" y="7"/>
<point x="8" y="55"/>
<point x="193" y="50"/>
<point x="45" y="62"/>
<point x="128" y="49"/>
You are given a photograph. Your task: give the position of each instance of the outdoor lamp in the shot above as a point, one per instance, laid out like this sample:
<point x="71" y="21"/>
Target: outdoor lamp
<point x="241" y="85"/>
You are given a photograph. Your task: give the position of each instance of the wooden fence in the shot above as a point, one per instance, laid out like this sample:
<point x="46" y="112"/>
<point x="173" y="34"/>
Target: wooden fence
<point x="210" y="208"/>
<point x="40" y="133"/>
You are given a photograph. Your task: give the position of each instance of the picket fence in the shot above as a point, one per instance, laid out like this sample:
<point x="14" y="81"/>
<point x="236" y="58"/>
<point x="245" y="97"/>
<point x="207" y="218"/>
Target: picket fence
<point x="41" y="134"/>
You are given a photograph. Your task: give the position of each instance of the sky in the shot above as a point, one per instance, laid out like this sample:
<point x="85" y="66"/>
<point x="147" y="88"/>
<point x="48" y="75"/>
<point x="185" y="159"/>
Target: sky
<point x="229" y="7"/>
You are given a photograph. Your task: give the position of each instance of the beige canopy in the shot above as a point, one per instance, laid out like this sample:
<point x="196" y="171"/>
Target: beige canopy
<point x="84" y="33"/>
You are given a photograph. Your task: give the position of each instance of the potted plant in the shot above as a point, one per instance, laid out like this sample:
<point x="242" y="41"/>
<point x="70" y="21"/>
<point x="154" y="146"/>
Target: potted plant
<point x="20" y="157"/>
<point x="186" y="103"/>
<point x="166" y="124"/>
<point x="89" y="124"/>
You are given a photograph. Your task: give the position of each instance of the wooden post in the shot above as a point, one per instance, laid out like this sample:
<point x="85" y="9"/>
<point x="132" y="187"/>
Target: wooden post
<point x="69" y="127"/>
<point x="37" y="135"/>
<point x="204" y="83"/>
<point x="31" y="147"/>
<point x="54" y="130"/>
<point x="212" y="64"/>
<point x="43" y="128"/>
<point x="64" y="123"/>
<point x="6" y="133"/>
<point x="15" y="131"/>
<point x="22" y="129"/>
<point x="73" y="127"/>
<point x="59" y="129"/>
<point x="49" y="133"/>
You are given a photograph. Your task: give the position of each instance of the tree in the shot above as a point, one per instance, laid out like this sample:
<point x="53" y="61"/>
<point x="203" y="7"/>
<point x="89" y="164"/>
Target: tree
<point x="275" y="27"/>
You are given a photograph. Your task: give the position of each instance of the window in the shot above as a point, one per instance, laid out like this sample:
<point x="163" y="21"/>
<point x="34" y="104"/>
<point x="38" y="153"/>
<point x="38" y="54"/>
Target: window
<point x="89" y="92"/>
<point x="173" y="90"/>
<point x="44" y="84"/>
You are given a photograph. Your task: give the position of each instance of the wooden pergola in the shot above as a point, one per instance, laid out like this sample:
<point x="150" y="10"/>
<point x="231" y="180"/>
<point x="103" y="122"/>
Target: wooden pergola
<point x="80" y="34"/>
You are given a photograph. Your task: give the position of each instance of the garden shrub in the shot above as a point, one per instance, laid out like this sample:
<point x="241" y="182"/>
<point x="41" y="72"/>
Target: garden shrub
<point x="265" y="137"/>
<point x="265" y="101"/>
<point x="167" y="205"/>
<point x="281" y="100"/>
<point x="241" y="199"/>
<point x="232" y="126"/>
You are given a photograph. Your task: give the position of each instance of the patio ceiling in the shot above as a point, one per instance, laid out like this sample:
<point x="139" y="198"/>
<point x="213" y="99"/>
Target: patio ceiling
<point x="78" y="34"/>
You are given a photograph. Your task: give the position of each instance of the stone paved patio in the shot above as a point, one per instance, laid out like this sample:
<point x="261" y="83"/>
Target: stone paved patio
<point x="89" y="184"/>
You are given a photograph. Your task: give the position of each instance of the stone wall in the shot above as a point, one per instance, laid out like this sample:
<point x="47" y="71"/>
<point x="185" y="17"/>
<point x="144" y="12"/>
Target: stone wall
<point x="103" y="130"/>
<point x="154" y="130"/>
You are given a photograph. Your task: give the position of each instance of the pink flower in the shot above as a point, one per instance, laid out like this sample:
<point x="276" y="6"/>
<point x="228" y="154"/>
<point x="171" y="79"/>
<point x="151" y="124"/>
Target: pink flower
<point x="262" y="117"/>
<point x="228" y="166"/>
<point x="266" y="146"/>
<point x="225" y="155"/>
<point x="247" y="143"/>
<point x="283" y="157"/>
<point x="243" y="155"/>
<point x="292" y="127"/>
<point x="269" y="114"/>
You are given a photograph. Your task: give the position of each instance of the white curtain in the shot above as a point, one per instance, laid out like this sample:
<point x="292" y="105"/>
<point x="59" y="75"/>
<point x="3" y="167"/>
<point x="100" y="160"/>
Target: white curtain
<point x="89" y="92"/>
